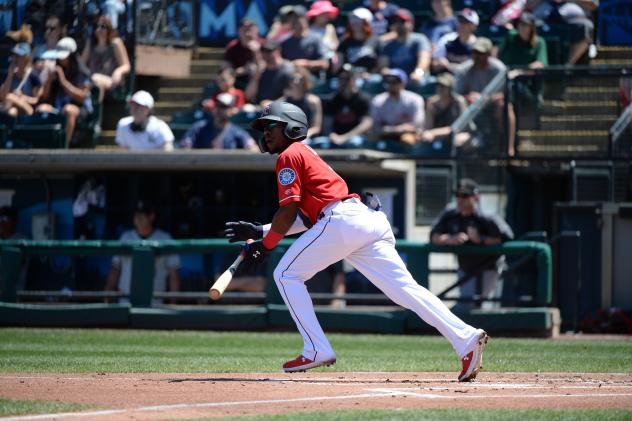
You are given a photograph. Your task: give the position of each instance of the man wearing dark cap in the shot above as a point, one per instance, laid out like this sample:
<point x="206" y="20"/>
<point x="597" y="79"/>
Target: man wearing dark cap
<point x="409" y="51"/>
<point x="272" y="76"/>
<point x="120" y="276"/>
<point x="465" y="223"/>
<point x="397" y="114"/>
<point x="304" y="48"/>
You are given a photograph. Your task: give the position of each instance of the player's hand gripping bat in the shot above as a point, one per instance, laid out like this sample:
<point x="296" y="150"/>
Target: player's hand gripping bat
<point x="220" y="285"/>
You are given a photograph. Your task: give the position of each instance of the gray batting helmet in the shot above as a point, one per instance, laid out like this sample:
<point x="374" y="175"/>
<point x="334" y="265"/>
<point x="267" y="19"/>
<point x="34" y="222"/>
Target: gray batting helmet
<point x="294" y="118"/>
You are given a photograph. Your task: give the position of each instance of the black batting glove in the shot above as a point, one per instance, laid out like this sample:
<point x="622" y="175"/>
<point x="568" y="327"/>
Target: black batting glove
<point x="242" y="231"/>
<point x="254" y="256"/>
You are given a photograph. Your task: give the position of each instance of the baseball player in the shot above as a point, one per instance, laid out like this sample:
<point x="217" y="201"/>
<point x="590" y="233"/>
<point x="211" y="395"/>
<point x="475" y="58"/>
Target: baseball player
<point x="336" y="225"/>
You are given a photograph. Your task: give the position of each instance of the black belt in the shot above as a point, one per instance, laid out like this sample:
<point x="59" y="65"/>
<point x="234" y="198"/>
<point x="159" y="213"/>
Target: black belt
<point x="348" y="199"/>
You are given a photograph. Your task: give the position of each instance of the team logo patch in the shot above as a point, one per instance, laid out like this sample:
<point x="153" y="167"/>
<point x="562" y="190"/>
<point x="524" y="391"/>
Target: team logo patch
<point x="286" y="176"/>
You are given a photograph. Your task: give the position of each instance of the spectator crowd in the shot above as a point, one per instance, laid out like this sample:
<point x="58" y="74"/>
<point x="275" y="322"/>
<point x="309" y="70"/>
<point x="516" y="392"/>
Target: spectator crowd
<point x="343" y="66"/>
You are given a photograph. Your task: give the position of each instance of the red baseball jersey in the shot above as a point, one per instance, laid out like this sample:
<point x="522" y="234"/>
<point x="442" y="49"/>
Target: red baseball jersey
<point x="303" y="177"/>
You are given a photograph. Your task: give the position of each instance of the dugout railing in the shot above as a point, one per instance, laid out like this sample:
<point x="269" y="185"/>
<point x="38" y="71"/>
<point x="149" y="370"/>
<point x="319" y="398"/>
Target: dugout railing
<point x="537" y="317"/>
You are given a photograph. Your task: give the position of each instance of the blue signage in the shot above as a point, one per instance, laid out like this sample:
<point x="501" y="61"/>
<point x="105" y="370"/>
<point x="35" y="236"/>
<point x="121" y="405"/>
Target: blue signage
<point x="218" y="19"/>
<point x="615" y="22"/>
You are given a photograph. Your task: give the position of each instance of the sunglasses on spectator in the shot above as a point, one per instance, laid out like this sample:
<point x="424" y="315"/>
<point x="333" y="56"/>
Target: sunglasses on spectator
<point x="462" y="195"/>
<point x="102" y="26"/>
<point x="51" y="28"/>
<point x="392" y="80"/>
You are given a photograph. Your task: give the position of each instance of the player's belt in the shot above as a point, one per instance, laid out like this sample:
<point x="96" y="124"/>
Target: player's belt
<point x="321" y="215"/>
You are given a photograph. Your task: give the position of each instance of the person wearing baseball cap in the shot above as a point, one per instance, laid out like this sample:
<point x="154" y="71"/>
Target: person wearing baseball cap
<point x="141" y="130"/>
<point x="216" y="131"/>
<point x="242" y="52"/>
<point x="67" y="87"/>
<point x="466" y="223"/>
<point x="273" y="75"/>
<point x="472" y="78"/>
<point x="358" y="46"/>
<point x="166" y="277"/>
<point x="409" y="51"/>
<point x="397" y="114"/>
<point x="22" y="88"/>
<point x="304" y="48"/>
<point x="456" y="47"/>
<point x="442" y="109"/>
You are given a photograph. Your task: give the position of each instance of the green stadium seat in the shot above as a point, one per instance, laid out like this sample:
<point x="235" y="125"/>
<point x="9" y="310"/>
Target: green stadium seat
<point x="41" y="130"/>
<point x="426" y="90"/>
<point x="495" y="33"/>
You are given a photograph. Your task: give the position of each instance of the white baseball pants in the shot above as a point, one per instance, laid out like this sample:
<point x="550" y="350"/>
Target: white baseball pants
<point x="349" y="230"/>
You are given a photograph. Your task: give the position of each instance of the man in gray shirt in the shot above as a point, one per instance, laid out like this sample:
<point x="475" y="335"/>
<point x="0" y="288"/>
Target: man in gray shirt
<point x="304" y="48"/>
<point x="397" y="114"/>
<point x="272" y="76"/>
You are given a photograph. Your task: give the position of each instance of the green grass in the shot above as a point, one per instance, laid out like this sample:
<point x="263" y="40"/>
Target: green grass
<point x="19" y="407"/>
<point x="448" y="415"/>
<point x="76" y="351"/>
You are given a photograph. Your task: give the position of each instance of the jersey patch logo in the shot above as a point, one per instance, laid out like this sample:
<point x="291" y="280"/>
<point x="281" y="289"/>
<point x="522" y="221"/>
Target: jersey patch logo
<point x="286" y="176"/>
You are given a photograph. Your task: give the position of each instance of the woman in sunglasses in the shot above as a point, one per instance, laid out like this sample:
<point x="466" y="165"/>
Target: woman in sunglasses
<point x="54" y="30"/>
<point x="106" y="57"/>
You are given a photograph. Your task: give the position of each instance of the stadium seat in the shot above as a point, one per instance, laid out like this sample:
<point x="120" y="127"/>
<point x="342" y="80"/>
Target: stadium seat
<point x="41" y="130"/>
<point x="243" y="120"/>
<point x="426" y="90"/>
<point x="495" y="33"/>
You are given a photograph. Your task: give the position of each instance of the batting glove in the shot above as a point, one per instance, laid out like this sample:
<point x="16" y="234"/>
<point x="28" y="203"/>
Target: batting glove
<point x="254" y="256"/>
<point x="242" y="231"/>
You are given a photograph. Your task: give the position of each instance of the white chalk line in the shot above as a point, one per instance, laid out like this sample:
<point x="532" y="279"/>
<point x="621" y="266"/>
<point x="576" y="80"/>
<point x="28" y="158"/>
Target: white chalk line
<point x="189" y="406"/>
<point x="406" y="391"/>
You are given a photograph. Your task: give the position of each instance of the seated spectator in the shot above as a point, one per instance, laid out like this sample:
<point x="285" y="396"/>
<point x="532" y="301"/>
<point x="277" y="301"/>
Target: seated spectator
<point x="303" y="48"/>
<point x="272" y="76"/>
<point x="218" y="132"/>
<point x="226" y="85"/>
<point x="242" y="51"/>
<point x="409" y="51"/>
<point x="67" y="89"/>
<point x="358" y="46"/>
<point x="280" y="30"/>
<point x="106" y="57"/>
<point x="397" y="114"/>
<point x="166" y="268"/>
<point x="298" y="93"/>
<point x="574" y="15"/>
<point x="320" y="14"/>
<point x="456" y="47"/>
<point x="53" y="32"/>
<point x="348" y="109"/>
<point x="382" y="12"/>
<point x="475" y="74"/>
<point x="442" y="110"/>
<point x="21" y="89"/>
<point x="523" y="48"/>
<point x="141" y="130"/>
<point x="466" y="224"/>
<point x="442" y="21"/>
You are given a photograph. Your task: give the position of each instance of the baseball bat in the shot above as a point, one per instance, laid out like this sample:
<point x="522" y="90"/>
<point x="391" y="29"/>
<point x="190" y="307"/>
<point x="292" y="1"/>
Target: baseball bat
<point x="218" y="288"/>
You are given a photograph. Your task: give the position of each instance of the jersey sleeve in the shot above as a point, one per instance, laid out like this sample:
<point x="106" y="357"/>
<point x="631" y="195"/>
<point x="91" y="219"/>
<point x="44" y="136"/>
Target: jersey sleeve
<point x="289" y="181"/>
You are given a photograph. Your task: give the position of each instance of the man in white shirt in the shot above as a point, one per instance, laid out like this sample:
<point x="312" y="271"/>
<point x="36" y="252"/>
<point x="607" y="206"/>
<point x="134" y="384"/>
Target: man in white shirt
<point x="167" y="266"/>
<point x="140" y="130"/>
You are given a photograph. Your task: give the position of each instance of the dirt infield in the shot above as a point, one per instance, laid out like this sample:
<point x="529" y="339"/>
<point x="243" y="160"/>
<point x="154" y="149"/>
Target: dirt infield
<point x="169" y="396"/>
